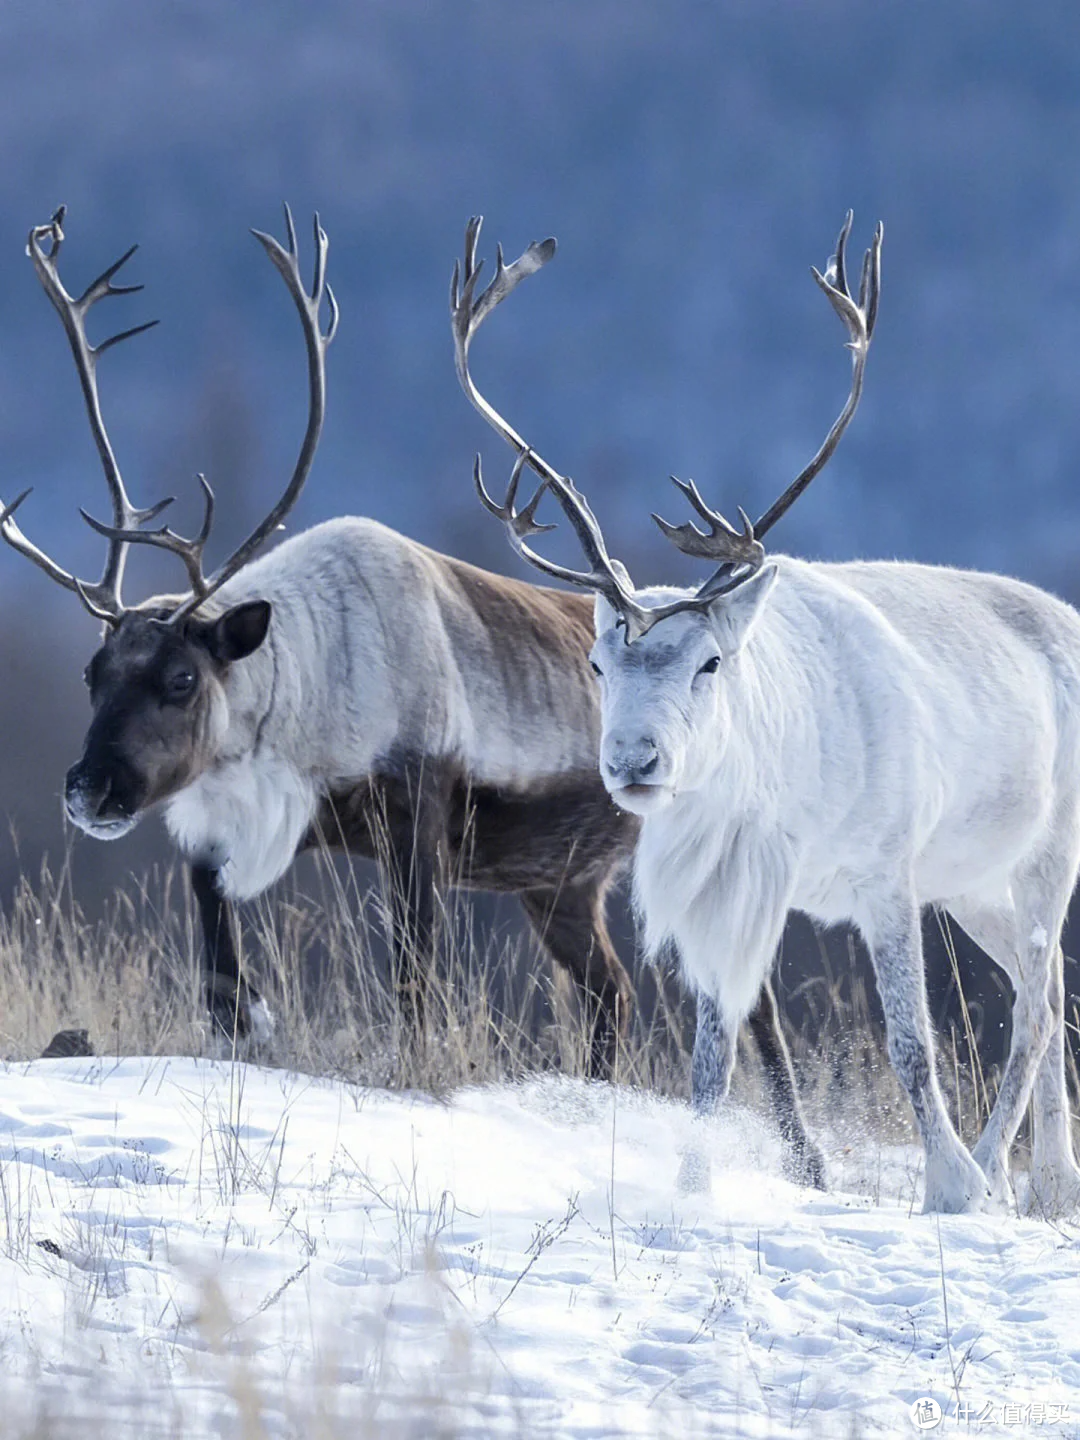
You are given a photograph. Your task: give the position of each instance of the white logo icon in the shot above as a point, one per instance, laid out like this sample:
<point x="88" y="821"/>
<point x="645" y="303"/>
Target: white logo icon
<point x="926" y="1413"/>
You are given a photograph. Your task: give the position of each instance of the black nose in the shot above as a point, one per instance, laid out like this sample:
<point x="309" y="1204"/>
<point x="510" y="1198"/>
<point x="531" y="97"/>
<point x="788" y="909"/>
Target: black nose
<point x="93" y="797"/>
<point x="631" y="770"/>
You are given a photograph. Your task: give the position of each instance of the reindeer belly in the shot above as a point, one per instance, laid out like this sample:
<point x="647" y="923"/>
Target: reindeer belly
<point x="564" y="830"/>
<point x="980" y="841"/>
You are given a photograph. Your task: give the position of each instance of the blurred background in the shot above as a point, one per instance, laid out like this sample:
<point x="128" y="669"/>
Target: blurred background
<point x="693" y="160"/>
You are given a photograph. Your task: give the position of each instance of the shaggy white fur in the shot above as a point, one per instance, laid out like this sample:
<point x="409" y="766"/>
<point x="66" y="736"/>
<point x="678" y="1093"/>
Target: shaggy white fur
<point x="246" y="818"/>
<point x="858" y="741"/>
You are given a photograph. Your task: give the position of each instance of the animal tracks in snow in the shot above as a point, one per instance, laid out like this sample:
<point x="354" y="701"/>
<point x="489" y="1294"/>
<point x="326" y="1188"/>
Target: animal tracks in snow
<point x="175" y="1228"/>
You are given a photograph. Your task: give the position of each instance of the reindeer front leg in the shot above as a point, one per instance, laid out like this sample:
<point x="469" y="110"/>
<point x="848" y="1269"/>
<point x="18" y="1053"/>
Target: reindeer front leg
<point x="710" y="1077"/>
<point x="237" y="1010"/>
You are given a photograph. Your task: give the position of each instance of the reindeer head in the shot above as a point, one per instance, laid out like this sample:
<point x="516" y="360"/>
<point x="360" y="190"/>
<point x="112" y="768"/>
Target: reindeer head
<point x="664" y="657"/>
<point x="157" y="683"/>
<point x="160" y="711"/>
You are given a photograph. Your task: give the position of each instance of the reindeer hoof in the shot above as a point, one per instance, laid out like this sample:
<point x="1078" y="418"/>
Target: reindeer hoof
<point x="1053" y="1193"/>
<point x="805" y="1166"/>
<point x="240" y="1024"/>
<point x="955" y="1185"/>
<point x="695" y="1172"/>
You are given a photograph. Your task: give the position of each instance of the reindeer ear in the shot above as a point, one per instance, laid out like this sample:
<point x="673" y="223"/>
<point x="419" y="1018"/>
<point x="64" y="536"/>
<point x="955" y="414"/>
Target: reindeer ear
<point x="240" y="631"/>
<point x="733" y="616"/>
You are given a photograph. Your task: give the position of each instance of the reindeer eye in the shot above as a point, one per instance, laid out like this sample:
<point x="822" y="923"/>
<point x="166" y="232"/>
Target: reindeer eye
<point x="595" y="668"/>
<point x="711" y="666"/>
<point x="180" y="684"/>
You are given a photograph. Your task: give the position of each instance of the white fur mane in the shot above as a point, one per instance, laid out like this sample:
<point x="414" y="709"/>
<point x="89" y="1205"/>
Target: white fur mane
<point x="246" y="818"/>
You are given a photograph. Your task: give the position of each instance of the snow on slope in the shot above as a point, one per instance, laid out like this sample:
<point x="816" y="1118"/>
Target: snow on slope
<point x="200" y="1249"/>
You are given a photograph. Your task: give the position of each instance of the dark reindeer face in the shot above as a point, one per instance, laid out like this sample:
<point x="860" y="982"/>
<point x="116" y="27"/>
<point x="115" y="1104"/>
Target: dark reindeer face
<point x="160" y="712"/>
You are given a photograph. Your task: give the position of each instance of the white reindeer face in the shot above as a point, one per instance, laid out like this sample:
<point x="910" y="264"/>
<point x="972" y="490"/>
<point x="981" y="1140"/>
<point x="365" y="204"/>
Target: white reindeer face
<point x="664" y="698"/>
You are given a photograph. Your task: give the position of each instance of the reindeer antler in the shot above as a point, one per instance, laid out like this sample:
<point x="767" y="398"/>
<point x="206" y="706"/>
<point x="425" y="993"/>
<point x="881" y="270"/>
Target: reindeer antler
<point x="309" y="306"/>
<point x="103" y="598"/>
<point x="468" y="311"/>
<point x="740" y="552"/>
<point x="726" y="544"/>
<point x="128" y="525"/>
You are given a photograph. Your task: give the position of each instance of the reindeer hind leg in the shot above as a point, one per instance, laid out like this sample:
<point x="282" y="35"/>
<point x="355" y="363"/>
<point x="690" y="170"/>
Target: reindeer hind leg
<point x="570" y="923"/>
<point x="805" y="1162"/>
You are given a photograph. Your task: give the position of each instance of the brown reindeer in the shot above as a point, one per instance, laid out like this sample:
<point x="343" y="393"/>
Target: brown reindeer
<point x="352" y="687"/>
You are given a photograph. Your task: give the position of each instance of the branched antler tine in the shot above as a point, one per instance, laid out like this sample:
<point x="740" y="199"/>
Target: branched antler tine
<point x="873" y="272"/>
<point x="713" y="517"/>
<point x="522" y="522"/>
<point x="290" y="231"/>
<point x="73" y="316"/>
<point x="25" y="547"/>
<point x="322" y="245"/>
<point x="281" y="257"/>
<point x="102" y="599"/>
<point x="287" y="263"/>
<point x="741" y="554"/>
<point x="508" y="277"/>
<point x="99" y="350"/>
<point x="528" y="515"/>
<point x="86" y="594"/>
<point x="838" y="263"/>
<point x="102" y="286"/>
<point x="465" y="272"/>
<point x="841" y="302"/>
<point x="723" y="543"/>
<point x="468" y="312"/>
<point x="189" y="551"/>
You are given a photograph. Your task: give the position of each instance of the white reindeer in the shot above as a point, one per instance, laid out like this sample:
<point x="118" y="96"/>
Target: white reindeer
<point x="854" y="741"/>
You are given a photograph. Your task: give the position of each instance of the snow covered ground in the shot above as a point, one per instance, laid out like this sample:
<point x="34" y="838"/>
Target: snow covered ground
<point x="192" y="1248"/>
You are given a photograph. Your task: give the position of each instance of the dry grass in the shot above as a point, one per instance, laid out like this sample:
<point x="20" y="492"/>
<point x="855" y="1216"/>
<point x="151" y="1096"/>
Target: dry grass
<point x="317" y="951"/>
<point x="316" y="948"/>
